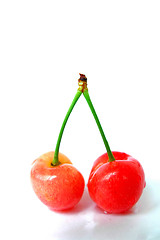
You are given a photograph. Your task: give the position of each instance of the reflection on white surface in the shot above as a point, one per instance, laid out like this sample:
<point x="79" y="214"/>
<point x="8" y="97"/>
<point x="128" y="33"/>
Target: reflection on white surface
<point x="87" y="221"/>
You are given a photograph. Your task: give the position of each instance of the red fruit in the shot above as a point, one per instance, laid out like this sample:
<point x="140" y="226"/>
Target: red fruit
<point x="116" y="186"/>
<point x="59" y="187"/>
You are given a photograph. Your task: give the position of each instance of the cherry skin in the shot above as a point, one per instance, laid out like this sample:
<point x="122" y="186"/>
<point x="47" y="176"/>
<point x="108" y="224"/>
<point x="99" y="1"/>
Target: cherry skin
<point x="59" y="187"/>
<point x="116" y="186"/>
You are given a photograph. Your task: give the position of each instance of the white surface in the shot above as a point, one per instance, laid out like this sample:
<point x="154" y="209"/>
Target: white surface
<point x="43" y="47"/>
<point x="30" y="219"/>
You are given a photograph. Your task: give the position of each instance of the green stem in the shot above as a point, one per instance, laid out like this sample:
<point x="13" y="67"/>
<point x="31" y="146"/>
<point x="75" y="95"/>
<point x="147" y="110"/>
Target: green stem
<point x="55" y="161"/>
<point x="87" y="97"/>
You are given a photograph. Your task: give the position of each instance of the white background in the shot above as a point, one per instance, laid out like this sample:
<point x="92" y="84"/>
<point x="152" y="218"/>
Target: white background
<point x="44" y="45"/>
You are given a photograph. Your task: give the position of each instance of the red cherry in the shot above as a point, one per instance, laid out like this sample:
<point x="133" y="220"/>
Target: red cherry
<point x="59" y="187"/>
<point x="116" y="186"/>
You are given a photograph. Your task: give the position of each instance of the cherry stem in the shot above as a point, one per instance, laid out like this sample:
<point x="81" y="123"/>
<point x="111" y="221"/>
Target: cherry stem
<point x="87" y="97"/>
<point x="55" y="161"/>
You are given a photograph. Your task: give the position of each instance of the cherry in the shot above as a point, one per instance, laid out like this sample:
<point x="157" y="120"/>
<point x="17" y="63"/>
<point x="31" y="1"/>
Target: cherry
<point x="55" y="181"/>
<point x="117" y="180"/>
<point x="117" y="185"/>
<point x="59" y="187"/>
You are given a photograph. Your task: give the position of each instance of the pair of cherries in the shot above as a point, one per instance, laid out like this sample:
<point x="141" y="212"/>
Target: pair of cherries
<point x="116" y="180"/>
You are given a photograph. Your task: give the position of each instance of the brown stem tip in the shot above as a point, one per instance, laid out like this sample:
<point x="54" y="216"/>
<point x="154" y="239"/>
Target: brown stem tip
<point x="82" y="83"/>
<point x="82" y="77"/>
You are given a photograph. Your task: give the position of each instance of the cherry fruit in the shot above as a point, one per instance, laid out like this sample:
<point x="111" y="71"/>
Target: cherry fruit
<point x="116" y="186"/>
<point x="55" y="181"/>
<point x="59" y="187"/>
<point x="117" y="180"/>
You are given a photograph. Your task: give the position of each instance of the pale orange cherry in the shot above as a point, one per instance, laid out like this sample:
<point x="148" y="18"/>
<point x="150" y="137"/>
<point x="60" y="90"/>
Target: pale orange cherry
<point x="59" y="187"/>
